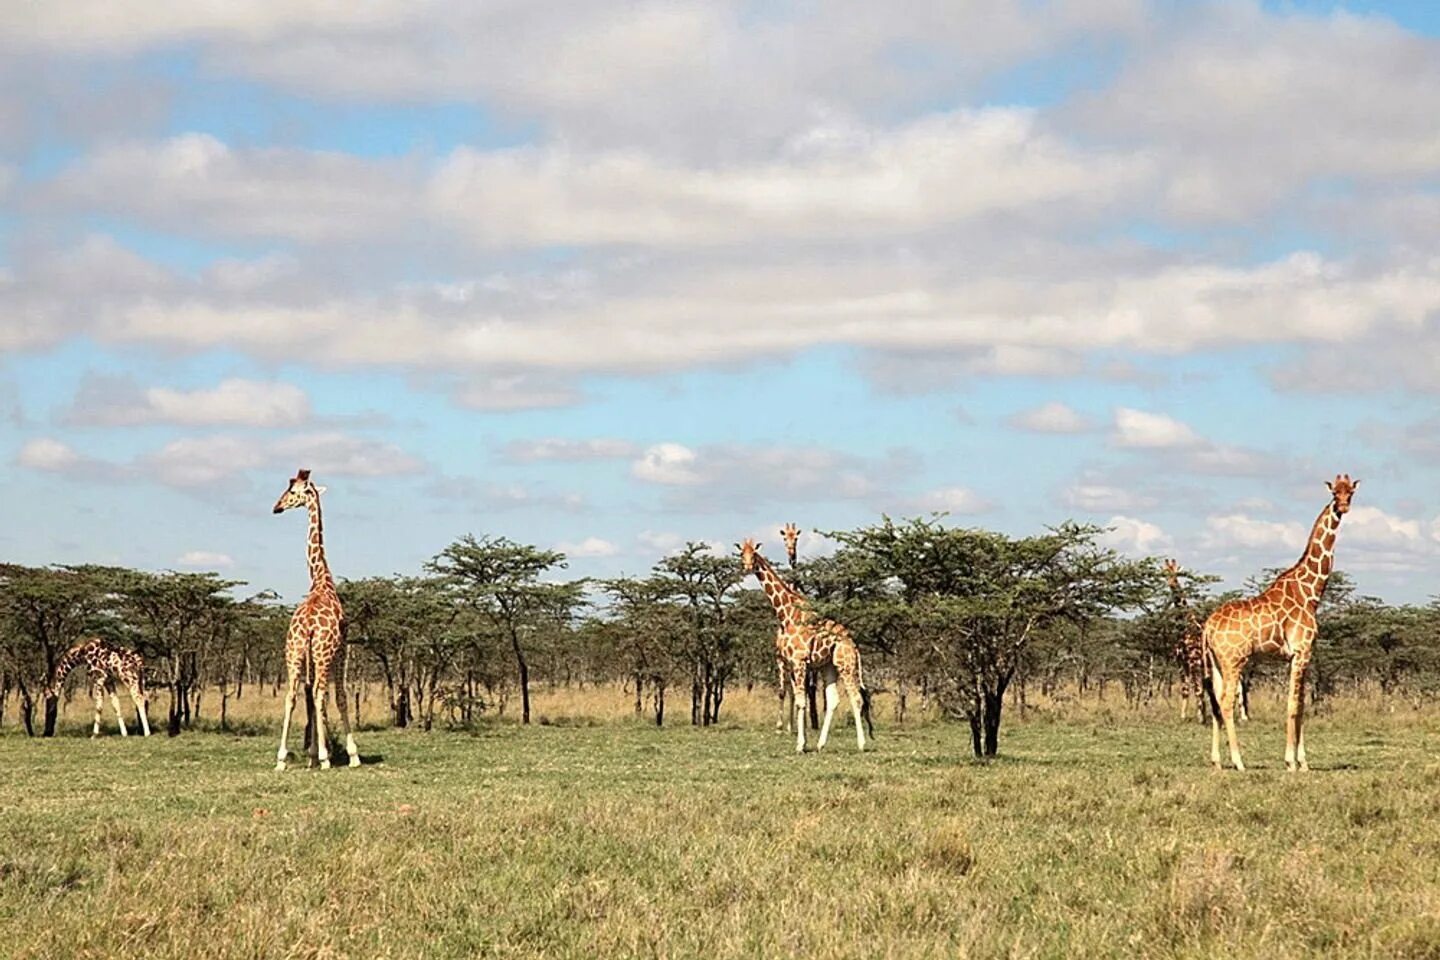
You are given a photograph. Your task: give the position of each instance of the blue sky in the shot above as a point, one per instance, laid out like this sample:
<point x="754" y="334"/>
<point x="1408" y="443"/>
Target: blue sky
<point x="606" y="277"/>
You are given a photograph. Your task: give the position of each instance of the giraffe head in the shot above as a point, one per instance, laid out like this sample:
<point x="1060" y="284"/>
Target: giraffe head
<point x="791" y="533"/>
<point x="298" y="493"/>
<point x="749" y="553"/>
<point x="1172" y="573"/>
<point x="1342" y="488"/>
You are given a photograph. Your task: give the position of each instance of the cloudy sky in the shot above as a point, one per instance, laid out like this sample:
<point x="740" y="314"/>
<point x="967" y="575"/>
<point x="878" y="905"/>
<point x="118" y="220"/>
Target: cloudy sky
<point x="606" y="276"/>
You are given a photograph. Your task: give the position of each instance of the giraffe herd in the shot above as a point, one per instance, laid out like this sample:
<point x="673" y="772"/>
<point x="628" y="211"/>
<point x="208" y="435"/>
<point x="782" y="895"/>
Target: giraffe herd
<point x="1211" y="656"/>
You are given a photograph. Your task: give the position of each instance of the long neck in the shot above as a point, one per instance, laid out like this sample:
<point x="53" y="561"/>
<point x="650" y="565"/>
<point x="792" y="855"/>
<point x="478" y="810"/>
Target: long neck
<point x="68" y="661"/>
<point x="315" y="548"/>
<point x="1177" y="597"/>
<point x="781" y="594"/>
<point x="1312" y="571"/>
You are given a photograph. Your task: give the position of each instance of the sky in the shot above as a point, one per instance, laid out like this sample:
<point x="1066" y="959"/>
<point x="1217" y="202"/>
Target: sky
<point x="609" y="276"/>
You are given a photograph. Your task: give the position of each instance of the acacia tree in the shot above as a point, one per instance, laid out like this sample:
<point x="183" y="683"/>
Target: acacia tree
<point x="500" y="580"/>
<point x="977" y="598"/>
<point x="178" y="615"/>
<point x="703" y="582"/>
<point x="642" y="632"/>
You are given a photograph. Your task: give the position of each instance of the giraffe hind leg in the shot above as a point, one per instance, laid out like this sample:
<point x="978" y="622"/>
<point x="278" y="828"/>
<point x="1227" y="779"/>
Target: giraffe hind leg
<point x="119" y="717"/>
<point x="342" y="699"/>
<point x="142" y="706"/>
<point x="797" y="681"/>
<point x="829" y="677"/>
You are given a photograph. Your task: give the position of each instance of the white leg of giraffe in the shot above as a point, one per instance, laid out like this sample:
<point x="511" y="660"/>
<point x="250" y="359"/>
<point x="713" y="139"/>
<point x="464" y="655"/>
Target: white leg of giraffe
<point x="797" y="680"/>
<point x="142" y="707"/>
<point x="119" y="717"/>
<point x="292" y="686"/>
<point x="853" y="692"/>
<point x="832" y="697"/>
<point x="1217" y="683"/>
<point x="322" y="737"/>
<point x="98" y="691"/>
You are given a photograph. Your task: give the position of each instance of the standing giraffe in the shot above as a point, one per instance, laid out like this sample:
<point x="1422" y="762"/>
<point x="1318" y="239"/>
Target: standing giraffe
<point x="1280" y="620"/>
<point x="808" y="640"/>
<point x="791" y="534"/>
<point x="315" y="643"/>
<point x="105" y="663"/>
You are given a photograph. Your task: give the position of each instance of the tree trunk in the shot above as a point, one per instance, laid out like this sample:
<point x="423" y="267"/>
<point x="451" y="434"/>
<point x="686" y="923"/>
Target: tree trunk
<point x="993" y="703"/>
<point x="659" y="703"/>
<point x="976" y="733"/>
<point x="639" y="699"/>
<point x="52" y="714"/>
<point x="524" y="676"/>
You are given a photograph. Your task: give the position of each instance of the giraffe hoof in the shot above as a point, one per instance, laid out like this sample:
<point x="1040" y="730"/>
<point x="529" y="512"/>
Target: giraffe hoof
<point x="280" y="766"/>
<point x="354" y="761"/>
<point x="325" y="764"/>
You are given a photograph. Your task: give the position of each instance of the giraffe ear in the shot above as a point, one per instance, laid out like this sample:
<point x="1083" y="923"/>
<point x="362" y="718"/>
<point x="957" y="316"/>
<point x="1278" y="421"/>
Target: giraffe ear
<point x="319" y="489"/>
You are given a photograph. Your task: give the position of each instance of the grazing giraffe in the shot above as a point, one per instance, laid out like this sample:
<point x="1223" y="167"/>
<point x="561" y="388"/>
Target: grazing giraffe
<point x="315" y="643"/>
<point x="1280" y="620"/>
<point x="105" y="663"/>
<point x="809" y="641"/>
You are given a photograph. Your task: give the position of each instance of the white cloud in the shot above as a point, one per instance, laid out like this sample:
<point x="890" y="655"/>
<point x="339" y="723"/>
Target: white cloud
<point x="1142" y="430"/>
<point x="660" y="541"/>
<point x="49" y="454"/>
<point x="1099" y="497"/>
<point x="1242" y="532"/>
<point x="1133" y="536"/>
<point x="109" y="401"/>
<point x="558" y="448"/>
<point x="205" y="559"/>
<point x="1052" y="417"/>
<point x="667" y="463"/>
<point x="955" y="500"/>
<point x="589" y="547"/>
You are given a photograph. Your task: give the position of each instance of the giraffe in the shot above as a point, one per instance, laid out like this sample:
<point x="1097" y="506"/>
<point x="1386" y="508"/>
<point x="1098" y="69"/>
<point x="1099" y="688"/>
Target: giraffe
<point x="1280" y="620"/>
<point x="791" y="534"/>
<point x="315" y="643"/>
<point x="105" y="663"/>
<point x="809" y="640"/>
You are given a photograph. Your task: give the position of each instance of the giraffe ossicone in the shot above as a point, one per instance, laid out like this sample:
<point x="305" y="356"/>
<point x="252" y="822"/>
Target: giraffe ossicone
<point x="1281" y="620"/>
<point x="315" y="643"/>
<point x="807" y="640"/>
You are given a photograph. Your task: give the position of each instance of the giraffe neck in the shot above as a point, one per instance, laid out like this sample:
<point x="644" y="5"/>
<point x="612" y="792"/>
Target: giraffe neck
<point x="68" y="661"/>
<point x="1177" y="597"/>
<point x="315" y="548"/>
<point x="1312" y="571"/>
<point x="780" y="593"/>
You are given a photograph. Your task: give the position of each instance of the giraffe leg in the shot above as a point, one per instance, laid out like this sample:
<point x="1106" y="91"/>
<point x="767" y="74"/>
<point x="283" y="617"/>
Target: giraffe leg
<point x="292" y="686"/>
<point x="97" y="690"/>
<point x="828" y="676"/>
<point x="142" y="706"/>
<point x="1244" y="698"/>
<point x="322" y="735"/>
<point x="1295" y="715"/>
<point x="119" y="717"/>
<point x="787" y="704"/>
<point x="1228" y="697"/>
<point x="341" y="698"/>
<point x="1217" y="683"/>
<point x="797" y="680"/>
<point x="856" y="695"/>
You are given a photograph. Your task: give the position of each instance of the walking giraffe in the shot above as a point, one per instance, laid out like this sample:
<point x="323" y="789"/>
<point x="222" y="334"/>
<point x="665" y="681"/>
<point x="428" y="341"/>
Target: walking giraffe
<point x="105" y="663"/>
<point x="809" y="640"/>
<point x="1280" y="620"/>
<point x="315" y="643"/>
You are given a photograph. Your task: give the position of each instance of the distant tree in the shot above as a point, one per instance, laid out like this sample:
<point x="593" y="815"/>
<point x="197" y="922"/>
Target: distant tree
<point x="502" y="581"/>
<point x="704" y="583"/>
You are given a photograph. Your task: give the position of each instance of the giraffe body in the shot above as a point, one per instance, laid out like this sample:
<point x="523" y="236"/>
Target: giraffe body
<point x="1281" y="620"/>
<point x="105" y="663"/>
<point x="806" y="640"/>
<point x="315" y="642"/>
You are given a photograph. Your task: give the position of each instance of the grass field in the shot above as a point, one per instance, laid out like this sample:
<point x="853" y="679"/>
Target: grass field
<point x="1094" y="835"/>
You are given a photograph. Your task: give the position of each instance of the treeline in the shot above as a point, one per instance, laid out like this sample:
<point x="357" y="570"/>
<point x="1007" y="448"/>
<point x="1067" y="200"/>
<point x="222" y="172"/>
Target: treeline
<point x="948" y="619"/>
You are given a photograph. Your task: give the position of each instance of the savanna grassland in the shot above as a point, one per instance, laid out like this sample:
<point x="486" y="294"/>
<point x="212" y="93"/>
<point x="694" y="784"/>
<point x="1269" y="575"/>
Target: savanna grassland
<point x="1100" y="831"/>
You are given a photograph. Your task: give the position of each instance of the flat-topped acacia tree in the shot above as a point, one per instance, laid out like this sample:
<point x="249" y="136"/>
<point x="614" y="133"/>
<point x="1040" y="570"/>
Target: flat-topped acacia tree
<point x="502" y="581"/>
<point x="972" y="600"/>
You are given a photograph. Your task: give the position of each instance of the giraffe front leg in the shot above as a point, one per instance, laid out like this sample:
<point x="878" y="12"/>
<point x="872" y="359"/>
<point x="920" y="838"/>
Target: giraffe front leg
<point x="142" y="707"/>
<point x="322" y="735"/>
<point x="119" y="717"/>
<point x="98" y="692"/>
<point x="1295" y="716"/>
